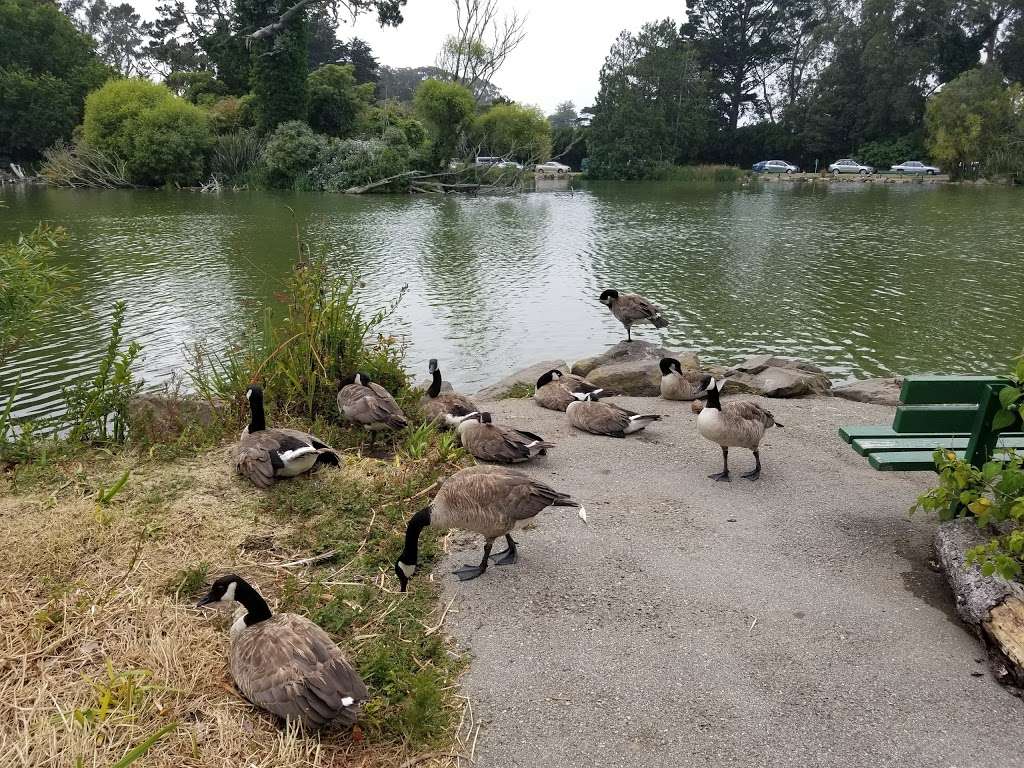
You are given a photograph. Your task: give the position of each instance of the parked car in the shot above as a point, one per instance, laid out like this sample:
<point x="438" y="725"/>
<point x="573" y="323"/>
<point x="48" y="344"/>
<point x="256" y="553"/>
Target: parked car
<point x="486" y="160"/>
<point x="509" y="164"/>
<point x="552" y="167"/>
<point x="916" y="166"/>
<point x="775" y="166"/>
<point x="848" y="165"/>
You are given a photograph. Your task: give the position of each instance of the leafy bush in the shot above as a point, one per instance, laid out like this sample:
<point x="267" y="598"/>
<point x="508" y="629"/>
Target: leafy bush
<point x="994" y="494"/>
<point x="198" y="87"/>
<point x="38" y="110"/>
<point x="354" y="162"/>
<point x="516" y="131"/>
<point x="377" y="120"/>
<point x="160" y="137"/>
<point x="447" y="109"/>
<point x="336" y="100"/>
<point x="882" y="155"/>
<point x="234" y="155"/>
<point x="291" y="153"/>
<point x="228" y="115"/>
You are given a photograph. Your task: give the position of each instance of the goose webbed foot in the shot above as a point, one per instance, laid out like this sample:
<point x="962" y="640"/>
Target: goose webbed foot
<point x="468" y="572"/>
<point x="753" y="474"/>
<point x="507" y="556"/>
<point x="721" y="476"/>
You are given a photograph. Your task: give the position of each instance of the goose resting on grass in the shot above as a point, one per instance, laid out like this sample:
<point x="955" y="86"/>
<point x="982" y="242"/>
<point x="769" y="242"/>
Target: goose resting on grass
<point x="266" y="454"/>
<point x="738" y="423"/>
<point x="369" y="405"/>
<point x="489" y="500"/>
<point x="445" y="408"/>
<point x="285" y="663"/>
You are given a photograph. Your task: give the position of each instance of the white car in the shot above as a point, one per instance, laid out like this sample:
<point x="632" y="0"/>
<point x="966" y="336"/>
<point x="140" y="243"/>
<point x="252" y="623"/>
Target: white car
<point x="552" y="167"/>
<point x="848" y="165"/>
<point x="509" y="164"/>
<point x="916" y="166"/>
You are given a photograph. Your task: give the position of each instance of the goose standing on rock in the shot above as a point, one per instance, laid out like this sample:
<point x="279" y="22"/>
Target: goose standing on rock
<point x="493" y="442"/>
<point x="588" y="414"/>
<point x="739" y="424"/>
<point x="369" y="405"/>
<point x="445" y="408"/>
<point x="285" y="663"/>
<point x="266" y="454"/>
<point x="630" y="308"/>
<point x="555" y="389"/>
<point x="492" y="501"/>
<point x="677" y="384"/>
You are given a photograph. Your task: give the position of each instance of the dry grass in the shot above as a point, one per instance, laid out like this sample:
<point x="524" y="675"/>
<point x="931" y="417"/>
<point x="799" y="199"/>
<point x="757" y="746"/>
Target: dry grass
<point x="100" y="648"/>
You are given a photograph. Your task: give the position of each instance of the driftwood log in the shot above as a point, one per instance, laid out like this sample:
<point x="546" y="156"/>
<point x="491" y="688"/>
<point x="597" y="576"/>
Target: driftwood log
<point x="990" y="605"/>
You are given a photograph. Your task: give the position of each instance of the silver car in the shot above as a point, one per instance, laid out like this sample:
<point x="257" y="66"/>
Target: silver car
<point x="916" y="166"/>
<point x="848" y="165"/>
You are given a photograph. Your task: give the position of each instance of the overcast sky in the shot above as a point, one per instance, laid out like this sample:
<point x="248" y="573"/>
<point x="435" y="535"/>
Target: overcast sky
<point x="566" y="42"/>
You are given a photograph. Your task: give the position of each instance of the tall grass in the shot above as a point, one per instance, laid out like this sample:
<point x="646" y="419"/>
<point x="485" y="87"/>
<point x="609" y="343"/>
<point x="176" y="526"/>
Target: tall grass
<point x="701" y="173"/>
<point x="234" y="155"/>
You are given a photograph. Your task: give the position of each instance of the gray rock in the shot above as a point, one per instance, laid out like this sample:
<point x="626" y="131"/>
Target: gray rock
<point x="636" y="351"/>
<point x="634" y="377"/>
<point x="778" y="382"/>
<point x="877" y="391"/>
<point x="759" y="363"/>
<point x="425" y="385"/>
<point x="525" y="376"/>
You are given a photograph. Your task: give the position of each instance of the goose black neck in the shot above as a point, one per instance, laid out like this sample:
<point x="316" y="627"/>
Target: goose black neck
<point x="256" y="607"/>
<point x="419" y="521"/>
<point x="435" y="385"/>
<point x="258" y="419"/>
<point x="713" y="399"/>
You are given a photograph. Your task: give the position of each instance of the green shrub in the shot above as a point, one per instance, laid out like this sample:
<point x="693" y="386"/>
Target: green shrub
<point x="447" y="109"/>
<point x="355" y="162"/>
<point x="699" y="173"/>
<point x="513" y="130"/>
<point x="38" y="110"/>
<point x="291" y="153"/>
<point x="234" y="155"/>
<point x="882" y="155"/>
<point x="161" y="138"/>
<point x="228" y="115"/>
<point x="336" y="100"/>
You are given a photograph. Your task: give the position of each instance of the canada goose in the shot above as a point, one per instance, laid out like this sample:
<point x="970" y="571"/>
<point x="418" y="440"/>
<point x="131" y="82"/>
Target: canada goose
<point x="488" y="500"/>
<point x="266" y="454"/>
<point x="735" y="424"/>
<point x="630" y="308"/>
<point x="369" y="405"/>
<point x="604" y="418"/>
<point x="447" y="408"/>
<point x="285" y="663"/>
<point x="555" y="389"/>
<point x="492" y="442"/>
<point x="677" y="384"/>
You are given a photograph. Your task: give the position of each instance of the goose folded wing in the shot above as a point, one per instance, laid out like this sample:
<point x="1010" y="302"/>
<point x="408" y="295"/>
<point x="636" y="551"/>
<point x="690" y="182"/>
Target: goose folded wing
<point x="303" y="437"/>
<point x="255" y="463"/>
<point x="751" y="411"/>
<point x="644" y="308"/>
<point x="373" y="410"/>
<point x="382" y="393"/>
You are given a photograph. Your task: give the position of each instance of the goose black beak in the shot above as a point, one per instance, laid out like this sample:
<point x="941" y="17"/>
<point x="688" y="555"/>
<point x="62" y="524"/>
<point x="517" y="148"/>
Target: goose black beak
<point x="205" y="602"/>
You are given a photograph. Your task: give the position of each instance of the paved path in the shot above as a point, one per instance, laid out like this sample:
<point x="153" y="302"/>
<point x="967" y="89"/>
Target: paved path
<point x="787" y="622"/>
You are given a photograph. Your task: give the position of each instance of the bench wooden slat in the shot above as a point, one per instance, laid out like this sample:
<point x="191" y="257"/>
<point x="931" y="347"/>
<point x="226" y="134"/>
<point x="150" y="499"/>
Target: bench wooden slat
<point x="935" y="419"/>
<point x="924" y="390"/>
<point x="853" y="432"/>
<point x="905" y="461"/>
<point x="866" y="446"/>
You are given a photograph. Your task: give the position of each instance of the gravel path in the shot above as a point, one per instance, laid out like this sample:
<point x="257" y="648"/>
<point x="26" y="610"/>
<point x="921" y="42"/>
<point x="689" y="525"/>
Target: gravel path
<point x="788" y="622"/>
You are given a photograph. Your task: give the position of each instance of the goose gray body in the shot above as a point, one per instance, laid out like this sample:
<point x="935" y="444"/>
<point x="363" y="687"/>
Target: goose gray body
<point x="555" y="389"/>
<point x="494" y="442"/>
<point x="285" y="663"/>
<point x="263" y="455"/>
<point x="677" y="384"/>
<point x="445" y="408"/>
<point x="369" y="405"/>
<point x="606" y="419"/>
<point x="630" y="308"/>
<point x="489" y="500"/>
<point x="736" y="424"/>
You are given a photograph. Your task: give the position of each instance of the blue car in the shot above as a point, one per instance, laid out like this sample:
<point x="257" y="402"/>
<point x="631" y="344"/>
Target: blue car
<point x="775" y="166"/>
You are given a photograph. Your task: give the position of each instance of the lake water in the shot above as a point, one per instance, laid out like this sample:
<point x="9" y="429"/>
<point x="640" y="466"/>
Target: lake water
<point x="864" y="280"/>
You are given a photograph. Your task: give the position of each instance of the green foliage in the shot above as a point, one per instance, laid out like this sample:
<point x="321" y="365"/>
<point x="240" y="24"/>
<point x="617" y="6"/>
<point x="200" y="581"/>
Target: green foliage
<point x="278" y="64"/>
<point x="701" y="173"/>
<point x="515" y="131"/>
<point x="379" y="119"/>
<point x="447" y="109"/>
<point x="161" y="138"/>
<point x="197" y="87"/>
<point x="355" y="162"/>
<point x="994" y="494"/>
<point x="233" y="156"/>
<point x="228" y="115"/>
<point x="336" y="100"/>
<point x="30" y="283"/>
<point x="46" y="68"/>
<point x="884" y="154"/>
<point x="97" y="410"/>
<point x="972" y="118"/>
<point x="291" y="153"/>
<point x="188" y="581"/>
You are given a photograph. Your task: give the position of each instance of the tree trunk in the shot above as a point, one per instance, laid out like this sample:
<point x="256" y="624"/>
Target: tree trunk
<point x="991" y="606"/>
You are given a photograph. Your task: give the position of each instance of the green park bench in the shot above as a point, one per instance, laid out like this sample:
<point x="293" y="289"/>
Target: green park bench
<point x="953" y="412"/>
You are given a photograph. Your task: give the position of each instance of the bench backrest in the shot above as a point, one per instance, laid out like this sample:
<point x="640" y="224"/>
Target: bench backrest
<point x="943" y="405"/>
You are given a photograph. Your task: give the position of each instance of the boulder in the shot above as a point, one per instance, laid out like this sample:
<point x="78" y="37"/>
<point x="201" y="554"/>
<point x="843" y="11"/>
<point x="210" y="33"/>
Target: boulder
<point x="632" y="367"/>
<point x="519" y="380"/>
<point x="778" y="382"/>
<point x="759" y="363"/>
<point x="877" y="391"/>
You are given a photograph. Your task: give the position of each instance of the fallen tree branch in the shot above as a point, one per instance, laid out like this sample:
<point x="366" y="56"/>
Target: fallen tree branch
<point x="381" y="183"/>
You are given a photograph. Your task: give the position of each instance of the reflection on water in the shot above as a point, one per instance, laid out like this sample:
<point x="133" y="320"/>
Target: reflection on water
<point x="864" y="280"/>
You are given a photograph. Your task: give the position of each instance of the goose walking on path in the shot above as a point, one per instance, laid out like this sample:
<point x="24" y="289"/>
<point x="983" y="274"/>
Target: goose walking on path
<point x="492" y="501"/>
<point x="630" y="308"/>
<point x="488" y="441"/>
<point x="369" y="405"/>
<point x="285" y="663"/>
<point x="555" y="389"/>
<point x="445" y="408"/>
<point x="738" y="423"/>
<point x="266" y="454"/>
<point x="587" y="414"/>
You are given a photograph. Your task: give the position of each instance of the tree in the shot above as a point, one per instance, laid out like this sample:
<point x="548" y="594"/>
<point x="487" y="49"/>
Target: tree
<point x="447" y="109"/>
<point x="400" y="83"/>
<point x="565" y="116"/>
<point x="973" y="118"/>
<point x="278" y="72"/>
<point x="336" y="101"/>
<point x="46" y="69"/>
<point x="515" y="131"/>
<point x="475" y="53"/>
